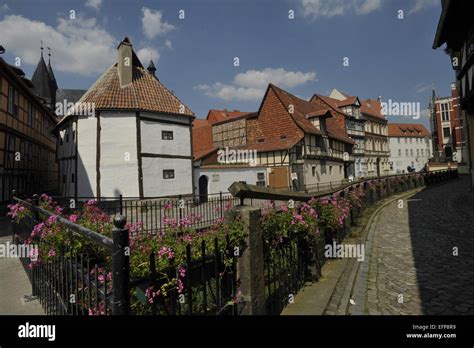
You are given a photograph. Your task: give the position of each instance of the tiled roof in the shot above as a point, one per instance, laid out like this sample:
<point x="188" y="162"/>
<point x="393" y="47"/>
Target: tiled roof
<point x="407" y="130"/>
<point x="272" y="144"/>
<point x="301" y="109"/>
<point x="145" y="93"/>
<point x="348" y="101"/>
<point x="203" y="153"/>
<point x="332" y="103"/>
<point x="334" y="131"/>
<point x="372" y="107"/>
<point x="217" y="116"/>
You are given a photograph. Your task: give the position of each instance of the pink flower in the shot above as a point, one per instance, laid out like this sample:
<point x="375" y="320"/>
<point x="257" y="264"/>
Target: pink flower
<point x="182" y="271"/>
<point x="51" y="253"/>
<point x="91" y="202"/>
<point x="73" y="218"/>
<point x="179" y="286"/>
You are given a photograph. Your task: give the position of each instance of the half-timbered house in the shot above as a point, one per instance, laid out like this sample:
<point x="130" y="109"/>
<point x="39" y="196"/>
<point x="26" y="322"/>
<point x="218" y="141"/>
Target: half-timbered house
<point x="136" y="142"/>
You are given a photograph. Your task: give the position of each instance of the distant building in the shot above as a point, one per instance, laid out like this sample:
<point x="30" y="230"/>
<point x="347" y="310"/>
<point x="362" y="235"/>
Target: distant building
<point x="410" y="147"/>
<point x="136" y="143"/>
<point x="366" y="126"/>
<point x="456" y="30"/>
<point x="27" y="145"/>
<point x="449" y="130"/>
<point x="298" y="143"/>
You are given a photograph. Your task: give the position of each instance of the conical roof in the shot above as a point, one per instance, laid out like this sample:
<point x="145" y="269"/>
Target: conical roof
<point x="145" y="93"/>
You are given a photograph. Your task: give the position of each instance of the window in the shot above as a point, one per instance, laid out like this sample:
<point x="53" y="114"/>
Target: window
<point x="323" y="167"/>
<point x="167" y="135"/>
<point x="406" y="152"/>
<point x="399" y="153"/>
<point x="398" y="140"/>
<point x="31" y="115"/>
<point x="168" y="174"/>
<point x="445" y="111"/>
<point x="417" y="152"/>
<point x="330" y="170"/>
<point x="260" y="179"/>
<point x="446" y="132"/>
<point x="72" y="178"/>
<point x="313" y="170"/>
<point x="406" y="140"/>
<point x="411" y="152"/>
<point x="13" y="101"/>
<point x="340" y="169"/>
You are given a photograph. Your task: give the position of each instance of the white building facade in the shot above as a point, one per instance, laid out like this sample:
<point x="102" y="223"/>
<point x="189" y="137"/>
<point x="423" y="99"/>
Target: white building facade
<point x="410" y="147"/>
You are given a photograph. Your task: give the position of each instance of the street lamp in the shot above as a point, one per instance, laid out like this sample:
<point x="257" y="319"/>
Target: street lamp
<point x="2" y="50"/>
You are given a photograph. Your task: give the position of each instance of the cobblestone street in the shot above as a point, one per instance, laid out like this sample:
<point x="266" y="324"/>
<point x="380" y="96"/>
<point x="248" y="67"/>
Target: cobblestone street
<point x="413" y="267"/>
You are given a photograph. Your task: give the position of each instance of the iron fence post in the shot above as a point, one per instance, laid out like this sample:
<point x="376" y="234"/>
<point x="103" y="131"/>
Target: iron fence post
<point x="120" y="267"/>
<point x="121" y="204"/>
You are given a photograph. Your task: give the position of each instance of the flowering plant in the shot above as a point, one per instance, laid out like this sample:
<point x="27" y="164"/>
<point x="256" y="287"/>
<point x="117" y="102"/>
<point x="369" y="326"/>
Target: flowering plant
<point x="168" y="245"/>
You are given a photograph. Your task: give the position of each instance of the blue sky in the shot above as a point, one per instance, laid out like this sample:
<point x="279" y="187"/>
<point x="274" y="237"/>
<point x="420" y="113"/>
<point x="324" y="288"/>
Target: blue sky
<point x="194" y="56"/>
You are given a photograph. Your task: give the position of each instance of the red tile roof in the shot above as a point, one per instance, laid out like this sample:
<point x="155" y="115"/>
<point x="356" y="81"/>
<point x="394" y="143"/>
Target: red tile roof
<point x="301" y="109"/>
<point x="145" y="93"/>
<point x="372" y="107"/>
<point x="335" y="131"/>
<point x="406" y="129"/>
<point x="273" y="144"/>
<point x="216" y="116"/>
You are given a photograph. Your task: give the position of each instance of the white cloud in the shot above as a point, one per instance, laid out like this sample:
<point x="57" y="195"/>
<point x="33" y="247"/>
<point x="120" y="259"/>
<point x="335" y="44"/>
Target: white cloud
<point x="147" y="53"/>
<point x="94" y="4"/>
<point x="368" y="6"/>
<point x="168" y="44"/>
<point x="78" y="46"/>
<point x="332" y="8"/>
<point x="280" y="77"/>
<point x="153" y="24"/>
<point x="4" y="8"/>
<point x="420" y="5"/>
<point x="251" y="85"/>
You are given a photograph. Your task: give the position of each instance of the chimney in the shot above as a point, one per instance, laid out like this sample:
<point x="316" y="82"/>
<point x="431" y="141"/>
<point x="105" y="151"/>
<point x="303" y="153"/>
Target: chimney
<point x="124" y="62"/>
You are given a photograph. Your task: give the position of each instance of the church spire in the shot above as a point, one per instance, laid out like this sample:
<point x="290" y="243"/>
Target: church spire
<point x="44" y="82"/>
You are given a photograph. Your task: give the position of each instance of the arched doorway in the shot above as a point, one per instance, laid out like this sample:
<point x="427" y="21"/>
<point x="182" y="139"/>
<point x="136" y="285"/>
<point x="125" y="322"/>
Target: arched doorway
<point x="203" y="181"/>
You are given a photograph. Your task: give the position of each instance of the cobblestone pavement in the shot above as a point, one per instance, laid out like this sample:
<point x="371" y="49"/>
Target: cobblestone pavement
<point x="413" y="264"/>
